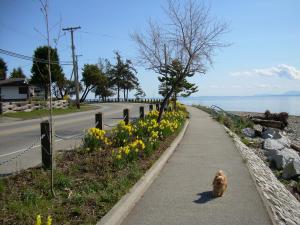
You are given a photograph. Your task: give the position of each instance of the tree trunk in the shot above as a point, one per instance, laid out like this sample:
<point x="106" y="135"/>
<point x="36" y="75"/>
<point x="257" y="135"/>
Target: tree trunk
<point x="86" y="91"/>
<point x="174" y="102"/>
<point x="82" y="96"/>
<point x="163" y="104"/>
<point x="124" y="94"/>
<point x="46" y="92"/>
<point x="127" y="93"/>
<point x="118" y="93"/>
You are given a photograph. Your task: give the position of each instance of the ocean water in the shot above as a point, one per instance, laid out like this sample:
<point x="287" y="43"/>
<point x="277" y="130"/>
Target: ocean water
<point x="290" y="104"/>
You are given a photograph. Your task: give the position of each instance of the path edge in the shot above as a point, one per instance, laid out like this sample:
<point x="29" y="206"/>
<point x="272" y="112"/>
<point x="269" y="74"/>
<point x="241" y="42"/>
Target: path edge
<point x="278" y="213"/>
<point x="124" y="206"/>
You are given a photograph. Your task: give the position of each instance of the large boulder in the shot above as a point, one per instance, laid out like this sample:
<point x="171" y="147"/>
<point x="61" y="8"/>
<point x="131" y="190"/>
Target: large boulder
<point x="291" y="170"/>
<point x="248" y="132"/>
<point x="282" y="157"/>
<point x="271" y="147"/>
<point x="270" y="133"/>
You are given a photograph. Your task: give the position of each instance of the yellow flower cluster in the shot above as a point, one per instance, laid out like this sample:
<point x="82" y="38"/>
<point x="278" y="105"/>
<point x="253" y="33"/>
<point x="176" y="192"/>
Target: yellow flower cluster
<point x="152" y="125"/>
<point x="154" y="136"/>
<point x="132" y="148"/>
<point x="99" y="134"/>
<point x="166" y="124"/>
<point x="39" y="220"/>
<point x="153" y="113"/>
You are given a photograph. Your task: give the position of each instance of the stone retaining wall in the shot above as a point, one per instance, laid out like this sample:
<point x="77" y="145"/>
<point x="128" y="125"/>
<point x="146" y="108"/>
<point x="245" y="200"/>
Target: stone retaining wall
<point x="11" y="107"/>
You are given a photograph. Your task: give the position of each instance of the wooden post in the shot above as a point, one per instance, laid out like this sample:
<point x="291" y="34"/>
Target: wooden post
<point x="98" y="121"/>
<point x="142" y="112"/>
<point x="45" y="145"/>
<point x="126" y="116"/>
<point x="157" y="106"/>
<point x="150" y="107"/>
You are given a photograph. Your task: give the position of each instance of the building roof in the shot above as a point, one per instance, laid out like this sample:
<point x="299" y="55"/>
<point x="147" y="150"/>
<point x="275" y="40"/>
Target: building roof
<point x="13" y="82"/>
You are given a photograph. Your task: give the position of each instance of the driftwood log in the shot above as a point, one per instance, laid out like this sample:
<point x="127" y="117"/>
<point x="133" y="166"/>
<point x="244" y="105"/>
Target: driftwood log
<point x="269" y="123"/>
<point x="295" y="147"/>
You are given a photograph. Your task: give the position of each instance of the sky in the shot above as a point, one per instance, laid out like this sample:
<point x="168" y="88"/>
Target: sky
<point x="264" y="35"/>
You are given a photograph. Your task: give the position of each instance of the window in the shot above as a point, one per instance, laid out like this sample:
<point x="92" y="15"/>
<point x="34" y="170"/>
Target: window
<point x="22" y="90"/>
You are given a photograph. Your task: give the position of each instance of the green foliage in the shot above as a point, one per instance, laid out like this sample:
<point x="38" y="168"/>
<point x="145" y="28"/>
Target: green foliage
<point x="139" y="93"/>
<point x="3" y="69"/>
<point x="234" y="123"/>
<point x="172" y="80"/>
<point x="17" y="73"/>
<point x="62" y="181"/>
<point x="39" y="70"/>
<point x="123" y="76"/>
<point x="92" y="76"/>
<point x="104" y="88"/>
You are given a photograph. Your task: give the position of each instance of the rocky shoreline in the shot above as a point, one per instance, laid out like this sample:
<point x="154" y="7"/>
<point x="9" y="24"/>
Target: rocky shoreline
<point x="276" y="148"/>
<point x="292" y="130"/>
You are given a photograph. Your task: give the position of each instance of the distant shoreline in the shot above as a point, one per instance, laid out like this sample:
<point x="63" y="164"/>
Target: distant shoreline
<point x="276" y="104"/>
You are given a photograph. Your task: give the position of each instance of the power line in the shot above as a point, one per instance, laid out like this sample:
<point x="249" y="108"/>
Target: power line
<point x="20" y="56"/>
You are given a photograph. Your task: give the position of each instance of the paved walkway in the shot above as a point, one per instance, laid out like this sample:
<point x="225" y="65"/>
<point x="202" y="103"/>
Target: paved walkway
<point x="182" y="192"/>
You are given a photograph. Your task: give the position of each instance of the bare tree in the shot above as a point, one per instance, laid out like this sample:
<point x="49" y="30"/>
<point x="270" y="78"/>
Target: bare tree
<point x="191" y="36"/>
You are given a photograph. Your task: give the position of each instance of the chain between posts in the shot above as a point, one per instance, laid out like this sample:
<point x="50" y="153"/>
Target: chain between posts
<point x="34" y="145"/>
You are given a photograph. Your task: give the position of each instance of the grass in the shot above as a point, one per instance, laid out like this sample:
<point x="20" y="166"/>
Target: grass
<point x="87" y="185"/>
<point x="45" y="112"/>
<point x="235" y="124"/>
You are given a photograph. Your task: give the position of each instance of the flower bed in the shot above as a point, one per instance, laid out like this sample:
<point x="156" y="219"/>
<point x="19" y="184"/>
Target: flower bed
<point x="90" y="180"/>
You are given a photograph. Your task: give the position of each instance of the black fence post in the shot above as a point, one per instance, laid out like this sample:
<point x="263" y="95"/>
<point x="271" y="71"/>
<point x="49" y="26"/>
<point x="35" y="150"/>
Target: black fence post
<point x="98" y="121"/>
<point x="157" y="106"/>
<point x="150" y="107"/>
<point x="126" y="116"/>
<point x="45" y="145"/>
<point x="142" y="112"/>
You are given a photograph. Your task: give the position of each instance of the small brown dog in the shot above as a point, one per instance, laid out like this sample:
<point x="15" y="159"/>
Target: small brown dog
<point x="219" y="184"/>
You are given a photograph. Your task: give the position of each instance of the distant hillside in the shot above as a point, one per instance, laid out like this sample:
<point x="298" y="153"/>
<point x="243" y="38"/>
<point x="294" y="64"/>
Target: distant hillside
<point x="292" y="93"/>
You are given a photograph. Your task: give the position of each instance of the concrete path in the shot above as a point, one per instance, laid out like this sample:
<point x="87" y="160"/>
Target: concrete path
<point x="181" y="195"/>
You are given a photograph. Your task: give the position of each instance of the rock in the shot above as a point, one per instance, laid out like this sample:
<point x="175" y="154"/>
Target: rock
<point x="285" y="141"/>
<point x="248" y="132"/>
<point x="282" y="157"/>
<point x="272" y="145"/>
<point x="291" y="170"/>
<point x="258" y="129"/>
<point x="270" y="133"/>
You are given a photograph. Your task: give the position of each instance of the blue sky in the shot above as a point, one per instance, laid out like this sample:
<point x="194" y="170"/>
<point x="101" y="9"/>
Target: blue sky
<point x="264" y="57"/>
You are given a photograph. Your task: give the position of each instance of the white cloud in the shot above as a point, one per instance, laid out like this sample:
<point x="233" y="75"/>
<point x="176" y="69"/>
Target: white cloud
<point x="281" y="70"/>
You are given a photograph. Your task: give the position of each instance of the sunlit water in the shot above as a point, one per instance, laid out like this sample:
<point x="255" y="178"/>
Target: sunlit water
<point x="290" y="104"/>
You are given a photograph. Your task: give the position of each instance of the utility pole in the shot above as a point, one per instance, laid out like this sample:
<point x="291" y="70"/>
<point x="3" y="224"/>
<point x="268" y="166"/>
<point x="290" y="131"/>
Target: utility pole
<point x="75" y="69"/>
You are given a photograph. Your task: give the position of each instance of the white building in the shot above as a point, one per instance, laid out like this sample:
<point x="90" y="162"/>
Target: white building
<point x="15" y="89"/>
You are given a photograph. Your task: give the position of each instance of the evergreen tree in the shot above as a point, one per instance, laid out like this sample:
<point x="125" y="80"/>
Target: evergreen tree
<point x="39" y="70"/>
<point x="3" y="69"/>
<point x="123" y="76"/>
<point x="17" y="73"/>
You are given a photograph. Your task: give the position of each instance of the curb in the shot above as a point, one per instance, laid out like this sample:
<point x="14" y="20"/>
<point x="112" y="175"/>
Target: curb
<point x="124" y="206"/>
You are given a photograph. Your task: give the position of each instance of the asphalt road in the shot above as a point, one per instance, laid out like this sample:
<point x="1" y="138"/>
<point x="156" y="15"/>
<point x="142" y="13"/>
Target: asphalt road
<point x="17" y="136"/>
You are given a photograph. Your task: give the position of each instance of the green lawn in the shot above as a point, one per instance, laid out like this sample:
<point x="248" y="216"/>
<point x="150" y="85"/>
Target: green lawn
<point x="45" y="112"/>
